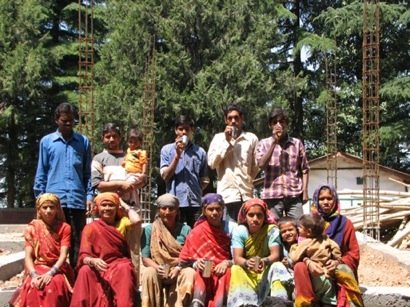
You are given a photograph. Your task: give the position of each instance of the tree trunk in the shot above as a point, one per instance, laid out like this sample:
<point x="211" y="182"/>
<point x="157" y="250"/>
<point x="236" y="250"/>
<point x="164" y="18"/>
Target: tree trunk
<point x="297" y="68"/>
<point x="12" y="157"/>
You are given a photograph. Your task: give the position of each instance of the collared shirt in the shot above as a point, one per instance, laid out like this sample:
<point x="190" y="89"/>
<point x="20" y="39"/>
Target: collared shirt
<point x="64" y="168"/>
<point x="235" y="165"/>
<point x="191" y="171"/>
<point x="283" y="174"/>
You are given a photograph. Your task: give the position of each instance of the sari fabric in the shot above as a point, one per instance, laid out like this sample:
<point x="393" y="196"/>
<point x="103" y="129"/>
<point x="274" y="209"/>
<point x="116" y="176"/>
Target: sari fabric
<point x="249" y="287"/>
<point x="341" y="230"/>
<point x="165" y="250"/>
<point x="46" y="244"/>
<point x="115" y="286"/>
<point x="211" y="243"/>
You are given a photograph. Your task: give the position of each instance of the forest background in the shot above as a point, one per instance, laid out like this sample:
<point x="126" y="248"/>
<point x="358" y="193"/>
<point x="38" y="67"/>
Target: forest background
<point x="258" y="53"/>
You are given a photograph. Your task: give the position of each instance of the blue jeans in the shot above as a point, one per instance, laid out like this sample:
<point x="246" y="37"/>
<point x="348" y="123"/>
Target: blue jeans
<point x="288" y="206"/>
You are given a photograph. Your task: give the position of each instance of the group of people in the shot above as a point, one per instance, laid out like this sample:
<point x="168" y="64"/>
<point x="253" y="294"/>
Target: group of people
<point x="225" y="248"/>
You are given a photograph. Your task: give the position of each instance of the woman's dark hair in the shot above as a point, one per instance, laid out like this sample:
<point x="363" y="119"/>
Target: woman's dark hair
<point x="315" y="223"/>
<point x="65" y="108"/>
<point x="111" y="127"/>
<point x="184" y="120"/>
<point x="278" y="114"/>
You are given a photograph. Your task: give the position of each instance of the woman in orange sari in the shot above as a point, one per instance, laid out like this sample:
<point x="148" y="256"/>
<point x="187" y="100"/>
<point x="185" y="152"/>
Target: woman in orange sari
<point x="209" y="241"/>
<point x="105" y="271"/>
<point x="47" y="241"/>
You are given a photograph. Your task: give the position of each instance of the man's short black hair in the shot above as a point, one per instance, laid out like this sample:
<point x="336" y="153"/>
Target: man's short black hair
<point x="278" y="114"/>
<point x="65" y="108"/>
<point x="111" y="127"/>
<point x="184" y="120"/>
<point x="232" y="107"/>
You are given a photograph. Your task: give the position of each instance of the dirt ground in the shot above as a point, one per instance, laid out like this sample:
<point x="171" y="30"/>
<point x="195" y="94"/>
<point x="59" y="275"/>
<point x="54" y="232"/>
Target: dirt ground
<point x="375" y="269"/>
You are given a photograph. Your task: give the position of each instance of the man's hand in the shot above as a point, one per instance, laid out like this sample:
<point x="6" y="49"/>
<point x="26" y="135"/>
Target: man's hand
<point x="90" y="205"/>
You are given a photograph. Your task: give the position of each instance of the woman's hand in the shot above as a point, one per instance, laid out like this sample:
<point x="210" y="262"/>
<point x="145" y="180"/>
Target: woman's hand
<point x="251" y="262"/>
<point x="41" y="281"/>
<point x="331" y="266"/>
<point x="221" y="267"/>
<point x="200" y="264"/>
<point x="314" y="268"/>
<point x="98" y="263"/>
<point x="173" y="274"/>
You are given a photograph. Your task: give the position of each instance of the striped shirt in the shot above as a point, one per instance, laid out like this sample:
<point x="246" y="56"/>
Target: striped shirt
<point x="284" y="171"/>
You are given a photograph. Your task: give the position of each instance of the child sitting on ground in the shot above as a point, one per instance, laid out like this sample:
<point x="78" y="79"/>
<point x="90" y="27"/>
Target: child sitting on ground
<point x="318" y="248"/>
<point x="281" y="271"/>
<point x="135" y="164"/>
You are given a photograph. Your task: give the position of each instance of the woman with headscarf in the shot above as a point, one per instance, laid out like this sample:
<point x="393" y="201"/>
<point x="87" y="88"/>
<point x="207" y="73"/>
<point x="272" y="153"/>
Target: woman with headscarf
<point x="341" y="230"/>
<point x="207" y="250"/>
<point x="47" y="238"/>
<point x="105" y="271"/>
<point x="256" y="245"/>
<point x="164" y="281"/>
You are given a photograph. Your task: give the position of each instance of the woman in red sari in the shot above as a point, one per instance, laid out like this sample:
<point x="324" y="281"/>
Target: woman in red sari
<point x="340" y="229"/>
<point x="105" y="271"/>
<point x="47" y="241"/>
<point x="209" y="240"/>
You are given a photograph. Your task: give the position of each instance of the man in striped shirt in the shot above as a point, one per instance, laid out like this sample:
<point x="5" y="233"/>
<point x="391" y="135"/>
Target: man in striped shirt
<point x="284" y="162"/>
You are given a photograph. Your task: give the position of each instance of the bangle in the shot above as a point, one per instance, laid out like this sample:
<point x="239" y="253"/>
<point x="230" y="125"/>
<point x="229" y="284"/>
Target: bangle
<point x="245" y="264"/>
<point x="53" y="270"/>
<point x="33" y="274"/>
<point x="229" y="263"/>
<point x="194" y="265"/>
<point x="267" y="261"/>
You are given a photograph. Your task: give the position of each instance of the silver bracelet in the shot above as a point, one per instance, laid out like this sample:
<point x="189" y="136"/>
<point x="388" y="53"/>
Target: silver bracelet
<point x="33" y="274"/>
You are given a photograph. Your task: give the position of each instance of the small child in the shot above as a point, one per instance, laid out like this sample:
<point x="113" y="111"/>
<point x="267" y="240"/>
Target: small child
<point x="318" y="248"/>
<point x="135" y="163"/>
<point x="281" y="272"/>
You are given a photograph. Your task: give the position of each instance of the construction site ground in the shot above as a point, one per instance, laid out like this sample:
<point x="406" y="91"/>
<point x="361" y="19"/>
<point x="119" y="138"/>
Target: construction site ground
<point x="384" y="272"/>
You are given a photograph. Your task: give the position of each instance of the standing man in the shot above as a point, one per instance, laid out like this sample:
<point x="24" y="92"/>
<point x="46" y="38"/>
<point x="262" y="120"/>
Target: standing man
<point x="232" y="154"/>
<point x="64" y="168"/>
<point x="184" y="168"/>
<point x="286" y="168"/>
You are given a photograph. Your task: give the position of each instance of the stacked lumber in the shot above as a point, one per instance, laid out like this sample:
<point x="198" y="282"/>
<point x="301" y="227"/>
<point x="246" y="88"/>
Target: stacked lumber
<point x="394" y="210"/>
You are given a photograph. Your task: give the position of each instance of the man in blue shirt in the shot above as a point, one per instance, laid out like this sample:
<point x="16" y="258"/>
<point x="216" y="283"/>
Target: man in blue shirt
<point x="184" y="168"/>
<point x="64" y="168"/>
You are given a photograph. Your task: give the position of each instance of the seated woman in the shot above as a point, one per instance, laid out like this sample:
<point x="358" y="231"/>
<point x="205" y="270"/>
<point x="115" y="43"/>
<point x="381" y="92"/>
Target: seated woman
<point x="341" y="230"/>
<point x="256" y="245"/>
<point x="47" y="241"/>
<point x="207" y="250"/>
<point x="164" y="282"/>
<point x="105" y="271"/>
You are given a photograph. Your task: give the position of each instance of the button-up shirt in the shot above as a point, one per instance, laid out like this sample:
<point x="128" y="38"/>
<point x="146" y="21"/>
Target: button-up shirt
<point x="191" y="171"/>
<point x="64" y="168"/>
<point x="285" y="169"/>
<point x="235" y="165"/>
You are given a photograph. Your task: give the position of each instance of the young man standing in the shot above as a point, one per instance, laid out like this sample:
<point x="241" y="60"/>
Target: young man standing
<point x="64" y="168"/>
<point x="286" y="168"/>
<point x="184" y="168"/>
<point x="231" y="153"/>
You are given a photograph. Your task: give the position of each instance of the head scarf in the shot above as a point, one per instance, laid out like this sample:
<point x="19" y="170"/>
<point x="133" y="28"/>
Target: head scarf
<point x="335" y="223"/>
<point x="336" y="204"/>
<point x="110" y="197"/>
<point x="53" y="199"/>
<point x="212" y="198"/>
<point x="167" y="200"/>
<point x="269" y="218"/>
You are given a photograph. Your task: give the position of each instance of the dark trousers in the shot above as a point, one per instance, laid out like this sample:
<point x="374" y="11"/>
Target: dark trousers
<point x="76" y="219"/>
<point x="288" y="206"/>
<point x="232" y="210"/>
<point x="190" y="215"/>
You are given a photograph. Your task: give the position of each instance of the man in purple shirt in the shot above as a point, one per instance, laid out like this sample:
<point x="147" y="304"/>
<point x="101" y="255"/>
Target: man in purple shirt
<point x="64" y="168"/>
<point x="284" y="162"/>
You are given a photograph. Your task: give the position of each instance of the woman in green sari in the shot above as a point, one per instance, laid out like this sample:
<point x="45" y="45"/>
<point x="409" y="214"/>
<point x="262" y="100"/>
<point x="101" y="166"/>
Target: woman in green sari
<point x="255" y="245"/>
